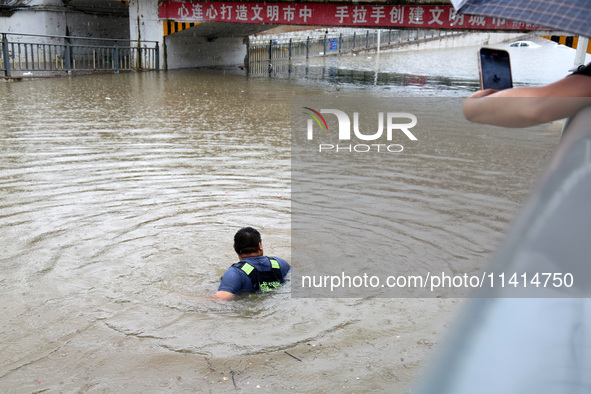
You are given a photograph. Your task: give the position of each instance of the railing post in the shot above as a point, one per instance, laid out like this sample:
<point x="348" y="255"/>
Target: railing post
<point x="307" y="47"/>
<point x="5" y="55"/>
<point x="325" y="42"/>
<point x="140" y="60"/>
<point x="581" y="51"/>
<point x="340" y="42"/>
<point x="289" y="49"/>
<point x="354" y="38"/>
<point x="270" y="56"/>
<point x="68" y="56"/>
<point x="157" y="54"/>
<point x="116" y="58"/>
<point x="378" y="41"/>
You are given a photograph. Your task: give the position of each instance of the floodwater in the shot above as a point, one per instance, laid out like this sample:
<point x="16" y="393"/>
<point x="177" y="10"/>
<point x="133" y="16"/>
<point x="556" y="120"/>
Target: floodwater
<point x="120" y="195"/>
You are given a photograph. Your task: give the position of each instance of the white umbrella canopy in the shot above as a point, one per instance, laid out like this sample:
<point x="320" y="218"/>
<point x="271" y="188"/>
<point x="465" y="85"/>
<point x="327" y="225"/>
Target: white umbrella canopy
<point x="570" y="16"/>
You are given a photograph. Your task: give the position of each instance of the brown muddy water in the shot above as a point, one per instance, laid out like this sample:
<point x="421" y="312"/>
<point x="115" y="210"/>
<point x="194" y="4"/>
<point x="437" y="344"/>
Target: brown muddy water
<point x="119" y="197"/>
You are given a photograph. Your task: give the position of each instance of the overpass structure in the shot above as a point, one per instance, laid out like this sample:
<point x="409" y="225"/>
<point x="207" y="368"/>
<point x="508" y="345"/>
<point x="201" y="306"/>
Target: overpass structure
<point x="197" y="33"/>
<point x="411" y="15"/>
<point x="193" y="33"/>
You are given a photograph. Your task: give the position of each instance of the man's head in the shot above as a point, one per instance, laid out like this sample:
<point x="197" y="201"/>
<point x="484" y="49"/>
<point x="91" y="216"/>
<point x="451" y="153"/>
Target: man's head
<point x="247" y="241"/>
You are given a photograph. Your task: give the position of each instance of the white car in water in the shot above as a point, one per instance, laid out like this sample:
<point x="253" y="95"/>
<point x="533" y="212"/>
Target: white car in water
<point x="524" y="44"/>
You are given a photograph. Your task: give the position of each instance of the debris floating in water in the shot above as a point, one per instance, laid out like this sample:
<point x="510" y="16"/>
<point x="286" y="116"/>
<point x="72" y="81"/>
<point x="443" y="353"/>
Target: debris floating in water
<point x="291" y="355"/>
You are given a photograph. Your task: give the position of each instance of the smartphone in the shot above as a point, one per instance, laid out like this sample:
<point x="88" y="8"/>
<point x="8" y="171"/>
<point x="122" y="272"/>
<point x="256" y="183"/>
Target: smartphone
<point x="495" y="69"/>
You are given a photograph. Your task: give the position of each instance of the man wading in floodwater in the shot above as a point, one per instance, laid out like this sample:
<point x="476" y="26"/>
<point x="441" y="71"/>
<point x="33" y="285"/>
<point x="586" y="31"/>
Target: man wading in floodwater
<point x="254" y="272"/>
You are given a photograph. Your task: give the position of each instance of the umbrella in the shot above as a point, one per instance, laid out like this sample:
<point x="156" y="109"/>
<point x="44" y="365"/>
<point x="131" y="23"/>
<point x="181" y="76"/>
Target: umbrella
<point x="570" y="16"/>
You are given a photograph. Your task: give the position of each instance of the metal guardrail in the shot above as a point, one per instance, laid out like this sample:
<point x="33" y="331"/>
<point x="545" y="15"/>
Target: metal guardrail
<point x="266" y="55"/>
<point x="27" y="53"/>
<point x="525" y="336"/>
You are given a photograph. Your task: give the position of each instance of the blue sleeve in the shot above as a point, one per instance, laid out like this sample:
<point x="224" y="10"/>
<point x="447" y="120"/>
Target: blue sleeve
<point x="233" y="281"/>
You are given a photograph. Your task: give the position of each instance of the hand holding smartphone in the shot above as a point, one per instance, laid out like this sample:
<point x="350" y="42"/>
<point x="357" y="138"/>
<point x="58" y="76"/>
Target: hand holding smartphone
<point x="495" y="69"/>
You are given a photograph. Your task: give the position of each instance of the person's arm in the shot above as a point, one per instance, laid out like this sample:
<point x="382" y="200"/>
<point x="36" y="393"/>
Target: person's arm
<point x="224" y="295"/>
<point x="529" y="106"/>
<point x="230" y="286"/>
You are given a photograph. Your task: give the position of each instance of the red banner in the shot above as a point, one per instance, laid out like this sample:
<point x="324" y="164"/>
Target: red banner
<point x="317" y="14"/>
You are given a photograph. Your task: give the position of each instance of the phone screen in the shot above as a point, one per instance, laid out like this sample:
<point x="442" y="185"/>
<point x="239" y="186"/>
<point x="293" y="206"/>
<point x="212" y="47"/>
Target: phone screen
<point x="495" y="69"/>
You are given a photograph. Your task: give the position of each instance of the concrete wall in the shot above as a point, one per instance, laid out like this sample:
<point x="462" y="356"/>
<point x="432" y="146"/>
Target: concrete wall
<point x="35" y="20"/>
<point x="83" y="25"/>
<point x="51" y="17"/>
<point x="144" y="23"/>
<point x="194" y="47"/>
<point x="184" y="52"/>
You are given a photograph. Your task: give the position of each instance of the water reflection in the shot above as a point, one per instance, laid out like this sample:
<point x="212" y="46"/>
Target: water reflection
<point x="404" y="83"/>
<point x="432" y="72"/>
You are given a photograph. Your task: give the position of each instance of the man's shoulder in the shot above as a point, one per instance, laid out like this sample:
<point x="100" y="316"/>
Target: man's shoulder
<point x="264" y="263"/>
<point x="261" y="260"/>
<point x="233" y="271"/>
<point x="239" y="268"/>
<point x="234" y="280"/>
<point x="279" y="260"/>
<point x="283" y="265"/>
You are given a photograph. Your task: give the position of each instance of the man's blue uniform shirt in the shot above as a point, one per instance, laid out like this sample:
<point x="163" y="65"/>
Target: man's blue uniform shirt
<point x="236" y="281"/>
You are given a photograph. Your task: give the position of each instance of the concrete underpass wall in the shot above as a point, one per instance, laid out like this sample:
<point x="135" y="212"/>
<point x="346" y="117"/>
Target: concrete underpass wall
<point x="83" y="25"/>
<point x="184" y="52"/>
<point x="51" y="17"/>
<point x="184" y="49"/>
<point x="144" y="24"/>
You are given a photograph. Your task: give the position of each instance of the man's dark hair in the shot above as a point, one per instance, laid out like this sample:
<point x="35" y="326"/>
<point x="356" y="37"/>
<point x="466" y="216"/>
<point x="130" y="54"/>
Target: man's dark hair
<point x="247" y="240"/>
